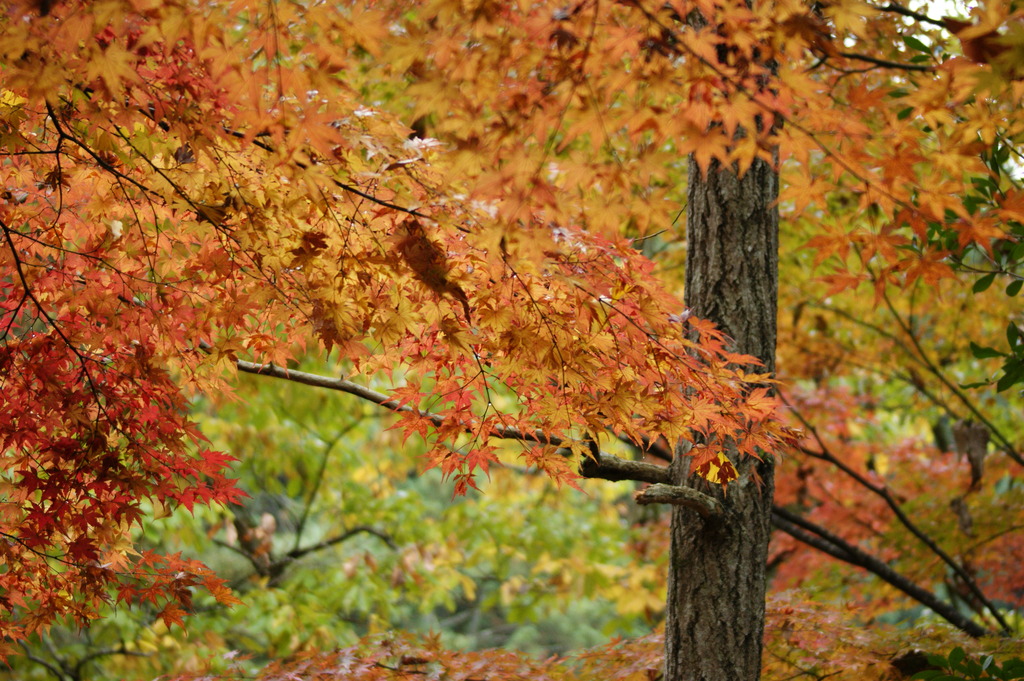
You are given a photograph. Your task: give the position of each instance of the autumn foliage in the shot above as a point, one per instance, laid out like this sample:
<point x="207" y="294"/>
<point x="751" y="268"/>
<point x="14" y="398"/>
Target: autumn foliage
<point x="181" y="192"/>
<point x="477" y="203"/>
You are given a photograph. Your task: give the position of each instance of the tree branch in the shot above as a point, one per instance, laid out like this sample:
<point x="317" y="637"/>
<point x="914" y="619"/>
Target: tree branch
<point x="105" y="652"/>
<point x="885" y="63"/>
<point x="295" y="554"/>
<point x="606" y="467"/>
<point x="330" y="383"/>
<point x="675" y="495"/>
<point x="818" y="537"/>
<point x="885" y="495"/>
<point x="61" y="674"/>
<point x="900" y="9"/>
<point x="610" y="467"/>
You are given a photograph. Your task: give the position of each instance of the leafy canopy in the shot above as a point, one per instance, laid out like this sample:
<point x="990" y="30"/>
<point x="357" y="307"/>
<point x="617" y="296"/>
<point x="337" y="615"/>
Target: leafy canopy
<point x="185" y="186"/>
<point x="454" y="197"/>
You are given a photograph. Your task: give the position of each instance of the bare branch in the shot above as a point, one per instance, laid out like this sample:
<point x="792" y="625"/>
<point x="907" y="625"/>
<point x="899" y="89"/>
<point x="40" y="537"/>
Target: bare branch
<point x="61" y="674"/>
<point x="106" y="652"/>
<point x="295" y="554"/>
<point x="818" y="537"/>
<point x="680" y="496"/>
<point x="894" y="505"/>
<point x="610" y="467"/>
<point x="900" y="9"/>
<point x="885" y="63"/>
<point x="328" y="382"/>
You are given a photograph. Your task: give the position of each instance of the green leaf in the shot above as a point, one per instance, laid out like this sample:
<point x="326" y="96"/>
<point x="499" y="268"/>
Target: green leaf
<point x="916" y="44"/>
<point x="1014" y="287"/>
<point x="1013" y="669"/>
<point x="1012" y="334"/>
<point x="982" y="352"/>
<point x="956" y="656"/>
<point x="1017" y="252"/>
<point x="1014" y="374"/>
<point x="983" y="283"/>
<point x="985" y="184"/>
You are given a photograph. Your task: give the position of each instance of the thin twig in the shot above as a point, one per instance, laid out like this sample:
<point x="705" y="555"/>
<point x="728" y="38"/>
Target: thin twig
<point x="885" y="63"/>
<point x="297" y="553"/>
<point x="900" y="9"/>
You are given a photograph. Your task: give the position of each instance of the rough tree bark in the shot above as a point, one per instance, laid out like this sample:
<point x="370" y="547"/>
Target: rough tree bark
<point x="716" y="586"/>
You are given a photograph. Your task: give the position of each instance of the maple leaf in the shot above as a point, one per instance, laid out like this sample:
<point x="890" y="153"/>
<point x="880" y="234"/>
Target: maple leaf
<point x="760" y="404"/>
<point x="171" y="614"/>
<point x="706" y="146"/>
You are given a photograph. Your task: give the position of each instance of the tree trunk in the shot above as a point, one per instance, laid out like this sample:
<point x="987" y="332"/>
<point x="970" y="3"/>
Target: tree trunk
<point x="716" y="585"/>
